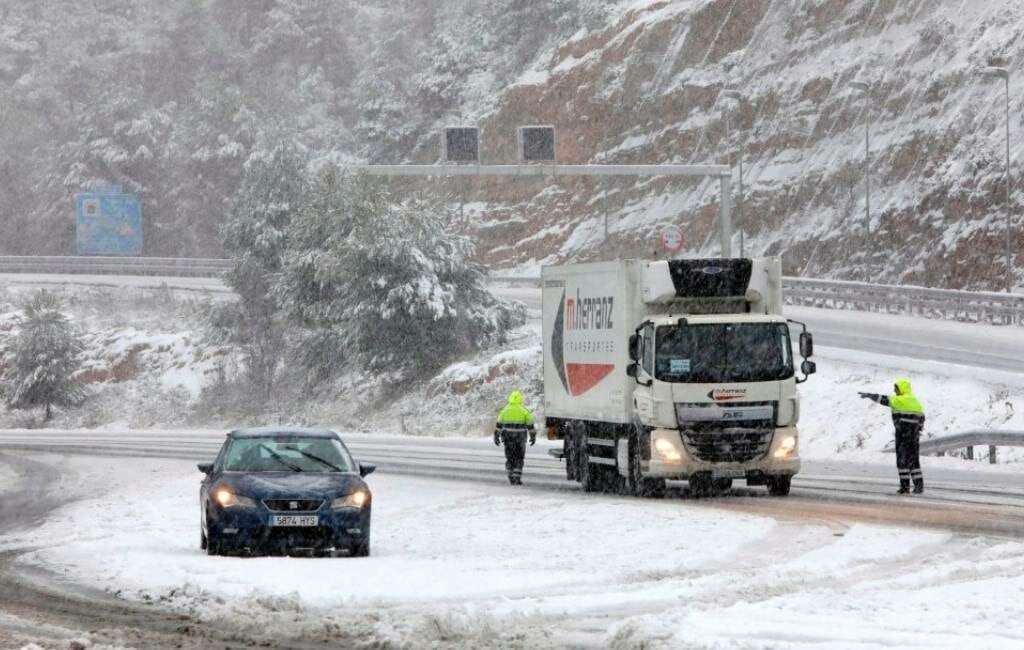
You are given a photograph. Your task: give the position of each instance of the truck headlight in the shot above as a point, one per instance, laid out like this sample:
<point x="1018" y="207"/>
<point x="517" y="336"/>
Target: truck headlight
<point x="667" y="450"/>
<point x="786" y="447"/>
<point x="228" y="499"/>
<point x="356" y="500"/>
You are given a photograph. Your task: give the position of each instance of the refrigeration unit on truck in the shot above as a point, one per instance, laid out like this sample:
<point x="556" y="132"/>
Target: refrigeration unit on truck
<point x="672" y="370"/>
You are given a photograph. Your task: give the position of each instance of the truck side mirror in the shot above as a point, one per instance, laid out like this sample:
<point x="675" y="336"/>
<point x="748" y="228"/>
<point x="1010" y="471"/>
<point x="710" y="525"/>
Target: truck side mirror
<point x="632" y="370"/>
<point x="634" y="347"/>
<point x="808" y="367"/>
<point x="806" y="345"/>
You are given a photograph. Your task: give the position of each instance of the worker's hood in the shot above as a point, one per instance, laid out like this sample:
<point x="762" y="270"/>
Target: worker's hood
<point x="903" y="387"/>
<point x="515" y="398"/>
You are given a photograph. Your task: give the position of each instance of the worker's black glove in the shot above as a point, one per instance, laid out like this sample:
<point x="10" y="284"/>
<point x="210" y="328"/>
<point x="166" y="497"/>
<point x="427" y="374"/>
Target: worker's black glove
<point x="865" y="395"/>
<point x="533" y="439"/>
<point x="497" y="440"/>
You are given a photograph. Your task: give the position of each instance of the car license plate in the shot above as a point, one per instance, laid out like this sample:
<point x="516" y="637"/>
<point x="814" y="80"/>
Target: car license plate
<point x="294" y="520"/>
<point x="728" y="473"/>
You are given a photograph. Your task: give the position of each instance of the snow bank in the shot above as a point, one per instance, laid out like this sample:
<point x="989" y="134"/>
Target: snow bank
<point x="465" y="564"/>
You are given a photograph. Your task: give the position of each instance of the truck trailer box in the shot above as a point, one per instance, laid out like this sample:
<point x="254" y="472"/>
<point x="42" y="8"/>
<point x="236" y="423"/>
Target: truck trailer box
<point x="588" y="313"/>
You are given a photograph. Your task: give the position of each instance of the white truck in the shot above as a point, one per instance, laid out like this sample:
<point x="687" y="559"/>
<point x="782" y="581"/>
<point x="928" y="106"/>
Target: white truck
<point x="672" y="370"/>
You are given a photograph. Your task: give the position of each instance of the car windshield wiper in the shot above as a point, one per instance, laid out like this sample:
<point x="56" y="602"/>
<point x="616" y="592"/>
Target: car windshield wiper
<point x="279" y="458"/>
<point x="320" y="460"/>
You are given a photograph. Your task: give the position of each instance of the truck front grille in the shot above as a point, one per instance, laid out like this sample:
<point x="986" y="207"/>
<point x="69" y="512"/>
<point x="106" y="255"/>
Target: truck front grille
<point x="727" y="445"/>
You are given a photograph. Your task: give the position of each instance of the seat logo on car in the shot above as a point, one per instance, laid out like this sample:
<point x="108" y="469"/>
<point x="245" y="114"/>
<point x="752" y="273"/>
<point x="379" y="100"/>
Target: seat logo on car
<point x="294" y="505"/>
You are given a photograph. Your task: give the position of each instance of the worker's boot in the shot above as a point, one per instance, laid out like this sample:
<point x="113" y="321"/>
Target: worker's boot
<point x="904" y="487"/>
<point x="918" y="485"/>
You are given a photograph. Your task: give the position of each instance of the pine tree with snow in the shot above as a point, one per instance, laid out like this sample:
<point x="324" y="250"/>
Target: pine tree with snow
<point x="47" y="352"/>
<point x="391" y="281"/>
<point x="256" y="238"/>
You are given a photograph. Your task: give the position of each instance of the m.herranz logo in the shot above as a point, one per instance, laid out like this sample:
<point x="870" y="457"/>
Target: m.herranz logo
<point x="588" y="313"/>
<point x="574" y="315"/>
<point x="727" y="394"/>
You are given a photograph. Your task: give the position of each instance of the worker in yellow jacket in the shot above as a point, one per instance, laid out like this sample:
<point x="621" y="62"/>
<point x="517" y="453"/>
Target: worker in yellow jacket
<point x="515" y="423"/>
<point x="908" y="418"/>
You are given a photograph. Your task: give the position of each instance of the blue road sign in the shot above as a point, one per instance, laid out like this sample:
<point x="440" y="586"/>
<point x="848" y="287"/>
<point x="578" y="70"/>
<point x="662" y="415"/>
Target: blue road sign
<point x="108" y="222"/>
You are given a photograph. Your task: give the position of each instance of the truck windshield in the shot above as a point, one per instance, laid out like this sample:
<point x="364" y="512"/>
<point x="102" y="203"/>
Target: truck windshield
<point x="723" y="352"/>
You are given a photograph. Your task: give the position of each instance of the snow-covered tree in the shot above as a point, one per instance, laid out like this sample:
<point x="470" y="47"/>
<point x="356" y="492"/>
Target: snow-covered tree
<point x="47" y="352"/>
<point x="256" y="238"/>
<point x="391" y="281"/>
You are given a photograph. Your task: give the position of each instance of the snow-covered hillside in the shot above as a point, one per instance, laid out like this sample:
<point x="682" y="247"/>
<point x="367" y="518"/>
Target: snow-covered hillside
<point x="175" y="102"/>
<point x="651" y="87"/>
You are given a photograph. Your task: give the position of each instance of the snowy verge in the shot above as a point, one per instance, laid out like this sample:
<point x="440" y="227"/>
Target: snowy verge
<point x="485" y="565"/>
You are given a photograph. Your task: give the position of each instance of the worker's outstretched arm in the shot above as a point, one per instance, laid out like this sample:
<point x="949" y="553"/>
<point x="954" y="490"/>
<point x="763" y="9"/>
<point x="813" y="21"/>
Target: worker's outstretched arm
<point x="875" y="397"/>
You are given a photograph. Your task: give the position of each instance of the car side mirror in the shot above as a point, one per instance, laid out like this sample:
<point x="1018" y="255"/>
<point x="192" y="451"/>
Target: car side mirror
<point x="806" y="345"/>
<point x="634" y="347"/>
<point x="632" y="370"/>
<point x="205" y="468"/>
<point x="366" y="468"/>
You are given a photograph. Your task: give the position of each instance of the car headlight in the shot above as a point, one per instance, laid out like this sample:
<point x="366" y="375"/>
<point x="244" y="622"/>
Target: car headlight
<point x="667" y="450"/>
<point x="356" y="500"/>
<point x="786" y="447"/>
<point x="226" y="497"/>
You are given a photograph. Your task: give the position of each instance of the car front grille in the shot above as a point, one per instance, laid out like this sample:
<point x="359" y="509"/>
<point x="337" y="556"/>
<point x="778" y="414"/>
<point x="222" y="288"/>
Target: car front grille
<point x="293" y="505"/>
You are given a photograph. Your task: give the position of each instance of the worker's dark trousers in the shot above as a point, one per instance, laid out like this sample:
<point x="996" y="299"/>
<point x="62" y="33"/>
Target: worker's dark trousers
<point x="515" y="452"/>
<point x="908" y="456"/>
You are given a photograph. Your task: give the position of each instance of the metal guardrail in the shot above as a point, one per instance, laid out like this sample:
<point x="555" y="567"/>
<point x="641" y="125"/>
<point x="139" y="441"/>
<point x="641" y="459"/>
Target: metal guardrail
<point x="147" y="266"/>
<point x="943" y="304"/>
<point x="969" y="440"/>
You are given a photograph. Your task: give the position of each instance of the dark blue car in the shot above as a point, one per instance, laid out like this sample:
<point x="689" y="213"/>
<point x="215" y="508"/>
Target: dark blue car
<point x="285" y="491"/>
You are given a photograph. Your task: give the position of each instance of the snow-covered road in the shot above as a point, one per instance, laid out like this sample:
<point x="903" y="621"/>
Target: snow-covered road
<point x="478" y="564"/>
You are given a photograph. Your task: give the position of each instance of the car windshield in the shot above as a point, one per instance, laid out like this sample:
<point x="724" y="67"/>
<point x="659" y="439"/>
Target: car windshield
<point x="723" y="352"/>
<point x="287" y="454"/>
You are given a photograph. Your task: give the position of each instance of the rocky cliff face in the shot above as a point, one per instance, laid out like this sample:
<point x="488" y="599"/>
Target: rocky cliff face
<point x="651" y="87"/>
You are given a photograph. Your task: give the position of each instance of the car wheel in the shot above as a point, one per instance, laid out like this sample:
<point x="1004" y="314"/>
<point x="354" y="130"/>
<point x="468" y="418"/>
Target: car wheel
<point x="210" y="542"/>
<point x="362" y="549"/>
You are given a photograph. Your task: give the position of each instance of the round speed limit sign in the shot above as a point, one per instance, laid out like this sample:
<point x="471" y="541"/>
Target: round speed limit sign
<point x="672" y="239"/>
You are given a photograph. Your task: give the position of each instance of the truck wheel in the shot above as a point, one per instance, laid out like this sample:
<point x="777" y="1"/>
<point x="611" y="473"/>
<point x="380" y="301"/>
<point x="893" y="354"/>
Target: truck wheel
<point x="700" y="484"/>
<point x="778" y="486"/>
<point x="636" y="484"/>
<point x="587" y="473"/>
<point x="569" y="453"/>
<point x="722" y="484"/>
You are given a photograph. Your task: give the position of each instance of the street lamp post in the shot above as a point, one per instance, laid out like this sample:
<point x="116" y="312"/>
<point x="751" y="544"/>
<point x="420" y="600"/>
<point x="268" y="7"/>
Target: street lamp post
<point x="737" y="96"/>
<point x="865" y="89"/>
<point x="1004" y="74"/>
